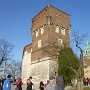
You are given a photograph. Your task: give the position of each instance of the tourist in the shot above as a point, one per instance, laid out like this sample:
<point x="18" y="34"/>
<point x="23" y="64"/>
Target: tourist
<point x="41" y="87"/>
<point x="0" y="84"/>
<point x="86" y="81"/>
<point x="32" y="82"/>
<point x="19" y="84"/>
<point x="3" y="79"/>
<point x="7" y="83"/>
<point x="89" y="82"/>
<point x="51" y="84"/>
<point x="29" y="84"/>
<point x="47" y="83"/>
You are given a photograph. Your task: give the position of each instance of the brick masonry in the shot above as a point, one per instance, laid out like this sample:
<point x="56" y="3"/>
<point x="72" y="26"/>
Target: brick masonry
<point x="41" y="63"/>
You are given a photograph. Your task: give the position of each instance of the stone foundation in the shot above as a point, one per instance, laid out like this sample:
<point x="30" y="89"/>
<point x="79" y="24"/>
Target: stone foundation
<point x="40" y="71"/>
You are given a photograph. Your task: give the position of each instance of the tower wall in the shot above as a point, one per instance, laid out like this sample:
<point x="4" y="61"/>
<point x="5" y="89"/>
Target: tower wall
<point x="87" y="72"/>
<point x="50" y="29"/>
<point x="43" y="71"/>
<point x="26" y="66"/>
<point x="40" y="71"/>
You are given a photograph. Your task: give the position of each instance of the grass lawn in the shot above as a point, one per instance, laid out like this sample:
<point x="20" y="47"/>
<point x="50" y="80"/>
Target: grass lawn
<point x="85" y="88"/>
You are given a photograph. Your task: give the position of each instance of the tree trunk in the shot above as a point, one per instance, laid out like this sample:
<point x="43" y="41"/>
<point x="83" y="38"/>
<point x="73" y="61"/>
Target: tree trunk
<point x="79" y="84"/>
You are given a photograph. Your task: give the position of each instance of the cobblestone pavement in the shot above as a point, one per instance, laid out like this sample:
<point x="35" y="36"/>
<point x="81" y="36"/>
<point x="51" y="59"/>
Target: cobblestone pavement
<point x="24" y="87"/>
<point x="14" y="86"/>
<point x="68" y="87"/>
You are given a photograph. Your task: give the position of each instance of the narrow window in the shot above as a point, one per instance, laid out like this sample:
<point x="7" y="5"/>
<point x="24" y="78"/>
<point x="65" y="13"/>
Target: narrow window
<point x="31" y="49"/>
<point x="63" y="31"/>
<point x="57" y="29"/>
<point x="37" y="33"/>
<point x="42" y="30"/>
<point x="59" y="42"/>
<point x="39" y="43"/>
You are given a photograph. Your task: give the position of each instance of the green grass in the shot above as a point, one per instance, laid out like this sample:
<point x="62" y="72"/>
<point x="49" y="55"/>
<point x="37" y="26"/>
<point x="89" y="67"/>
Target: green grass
<point x="85" y="88"/>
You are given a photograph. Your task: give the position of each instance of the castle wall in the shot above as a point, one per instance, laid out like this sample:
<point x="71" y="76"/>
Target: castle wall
<point x="53" y="68"/>
<point x="87" y="68"/>
<point x="87" y="72"/>
<point x="26" y="66"/>
<point x="40" y="71"/>
<point x="39" y="59"/>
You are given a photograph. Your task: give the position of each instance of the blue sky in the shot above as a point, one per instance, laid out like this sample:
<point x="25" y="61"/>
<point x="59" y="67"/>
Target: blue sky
<point x="16" y="19"/>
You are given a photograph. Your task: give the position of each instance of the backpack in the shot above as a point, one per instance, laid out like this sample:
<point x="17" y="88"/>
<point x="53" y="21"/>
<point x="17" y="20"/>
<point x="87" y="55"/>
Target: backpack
<point x="7" y="85"/>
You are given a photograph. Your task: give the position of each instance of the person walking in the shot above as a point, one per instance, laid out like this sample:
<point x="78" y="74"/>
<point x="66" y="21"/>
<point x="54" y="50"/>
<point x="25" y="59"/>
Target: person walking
<point x="2" y="80"/>
<point x="41" y="87"/>
<point x="0" y="84"/>
<point x="29" y="84"/>
<point x="19" y="84"/>
<point x="7" y="83"/>
<point x="32" y="82"/>
<point x="48" y="85"/>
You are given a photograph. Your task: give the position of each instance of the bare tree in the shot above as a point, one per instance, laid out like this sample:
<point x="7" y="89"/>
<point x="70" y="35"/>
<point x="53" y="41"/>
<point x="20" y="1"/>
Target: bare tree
<point x="79" y="39"/>
<point x="5" y="50"/>
<point x="14" y="68"/>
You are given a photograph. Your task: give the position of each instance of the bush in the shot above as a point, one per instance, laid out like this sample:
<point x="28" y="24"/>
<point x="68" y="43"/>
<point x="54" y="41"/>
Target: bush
<point x="67" y="61"/>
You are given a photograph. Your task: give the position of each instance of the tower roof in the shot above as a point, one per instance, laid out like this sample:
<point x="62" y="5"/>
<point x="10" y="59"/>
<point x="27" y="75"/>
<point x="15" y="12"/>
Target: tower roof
<point x="48" y="8"/>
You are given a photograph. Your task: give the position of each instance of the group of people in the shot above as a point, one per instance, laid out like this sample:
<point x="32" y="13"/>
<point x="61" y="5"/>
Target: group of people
<point x="86" y="81"/>
<point x="50" y="85"/>
<point x="5" y="83"/>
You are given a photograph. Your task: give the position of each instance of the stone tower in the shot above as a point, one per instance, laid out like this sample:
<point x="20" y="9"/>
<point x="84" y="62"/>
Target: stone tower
<point x="50" y="29"/>
<point x="87" y="60"/>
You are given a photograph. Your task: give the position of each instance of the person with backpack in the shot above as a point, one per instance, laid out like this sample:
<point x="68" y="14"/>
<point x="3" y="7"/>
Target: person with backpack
<point x="7" y="83"/>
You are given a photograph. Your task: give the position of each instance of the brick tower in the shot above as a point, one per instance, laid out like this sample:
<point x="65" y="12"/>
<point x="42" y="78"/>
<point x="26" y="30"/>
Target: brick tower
<point x="50" y="29"/>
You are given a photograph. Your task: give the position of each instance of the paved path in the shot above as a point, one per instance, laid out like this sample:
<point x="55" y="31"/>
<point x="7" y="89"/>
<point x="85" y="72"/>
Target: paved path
<point x="14" y="86"/>
<point x="68" y="87"/>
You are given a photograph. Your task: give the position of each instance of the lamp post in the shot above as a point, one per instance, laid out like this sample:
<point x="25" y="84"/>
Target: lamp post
<point x="4" y="69"/>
